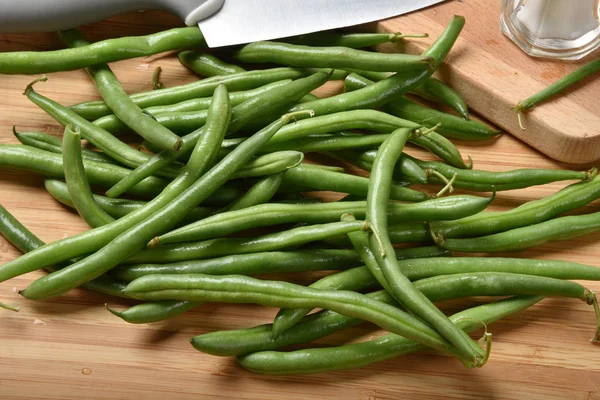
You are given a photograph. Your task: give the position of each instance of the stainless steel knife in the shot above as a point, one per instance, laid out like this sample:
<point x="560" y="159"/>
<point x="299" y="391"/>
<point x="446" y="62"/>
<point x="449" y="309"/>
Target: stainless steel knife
<point x="223" y="22"/>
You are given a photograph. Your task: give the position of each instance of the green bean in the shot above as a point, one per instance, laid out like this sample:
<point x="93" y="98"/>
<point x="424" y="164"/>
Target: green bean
<point x="329" y="57"/>
<point x="146" y="313"/>
<point x="205" y="64"/>
<point x="25" y="241"/>
<point x="563" y="228"/>
<point x="451" y="126"/>
<point x="307" y="175"/>
<point x="260" y="107"/>
<point x="92" y="240"/>
<point x="44" y="141"/>
<point x="431" y="89"/>
<point x="93" y="110"/>
<point x="271" y="163"/>
<point x="223" y="246"/>
<point x="391" y="88"/>
<point x="241" y="289"/>
<point x="262" y="215"/>
<point x="436" y="90"/>
<point x="380" y="245"/>
<point x="97" y="136"/>
<point x="116" y="208"/>
<point x="77" y="183"/>
<point x="487" y="181"/>
<point x="406" y="168"/>
<point x="37" y="62"/>
<point x="119" y="102"/>
<point x="261" y="192"/>
<point x="557" y="87"/>
<point x="569" y="198"/>
<point x="128" y="242"/>
<point x="328" y="142"/>
<point x="362" y="354"/>
<point x="156" y="83"/>
<point x="352" y="40"/>
<point x="268" y="262"/>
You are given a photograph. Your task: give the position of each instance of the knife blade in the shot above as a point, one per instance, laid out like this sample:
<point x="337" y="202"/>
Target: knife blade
<point x="245" y="21"/>
<point x="223" y="22"/>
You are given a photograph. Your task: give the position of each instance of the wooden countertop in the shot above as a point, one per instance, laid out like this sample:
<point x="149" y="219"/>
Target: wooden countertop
<point x="71" y="347"/>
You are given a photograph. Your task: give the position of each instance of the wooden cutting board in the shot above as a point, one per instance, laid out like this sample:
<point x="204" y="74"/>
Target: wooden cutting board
<point x="493" y="75"/>
<point x="70" y="347"/>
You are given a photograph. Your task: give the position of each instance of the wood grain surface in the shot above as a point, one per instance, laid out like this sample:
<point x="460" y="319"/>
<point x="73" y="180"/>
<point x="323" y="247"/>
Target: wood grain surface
<point x="70" y="347"/>
<point x="493" y="75"/>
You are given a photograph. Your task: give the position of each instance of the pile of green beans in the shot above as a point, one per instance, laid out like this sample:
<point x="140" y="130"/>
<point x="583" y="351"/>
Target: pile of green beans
<point x="216" y="214"/>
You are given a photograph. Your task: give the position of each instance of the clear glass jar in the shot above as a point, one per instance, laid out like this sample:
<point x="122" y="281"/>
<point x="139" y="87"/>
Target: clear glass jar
<point x="563" y="29"/>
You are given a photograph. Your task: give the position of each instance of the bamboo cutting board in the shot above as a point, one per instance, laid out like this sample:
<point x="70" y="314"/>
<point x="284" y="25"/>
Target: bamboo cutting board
<point x="70" y="347"/>
<point x="493" y="75"/>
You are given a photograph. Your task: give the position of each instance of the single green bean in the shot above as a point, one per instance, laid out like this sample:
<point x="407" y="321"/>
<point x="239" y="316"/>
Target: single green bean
<point x="37" y="62"/>
<point x="563" y="228"/>
<point x="146" y="313"/>
<point x="116" y="208"/>
<point x="24" y="240"/>
<point x="451" y="126"/>
<point x="119" y="102"/>
<point x="270" y="163"/>
<point x="376" y="350"/>
<point x="408" y="232"/>
<point x="261" y="192"/>
<point x="380" y="245"/>
<point x="452" y="207"/>
<point x="329" y="57"/>
<point x="77" y="183"/>
<point x="558" y="86"/>
<point x="97" y="136"/>
<point x="93" y="110"/>
<point x="569" y="198"/>
<point x="352" y="40"/>
<point x="223" y="246"/>
<point x="328" y="142"/>
<point x="241" y="289"/>
<point x="307" y="175"/>
<point x="269" y="262"/>
<point x="207" y="65"/>
<point x="90" y="241"/>
<point x="44" y="141"/>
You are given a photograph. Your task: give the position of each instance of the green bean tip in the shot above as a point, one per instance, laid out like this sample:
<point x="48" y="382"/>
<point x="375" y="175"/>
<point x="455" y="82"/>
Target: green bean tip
<point x="9" y="307"/>
<point x="29" y="86"/>
<point x="112" y="311"/>
<point x="430" y="61"/>
<point x="178" y="145"/>
<point x="590" y="298"/>
<point x="155" y="242"/>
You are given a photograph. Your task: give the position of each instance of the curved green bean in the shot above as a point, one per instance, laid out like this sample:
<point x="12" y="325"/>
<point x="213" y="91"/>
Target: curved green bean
<point x="77" y="183"/>
<point x="241" y="289"/>
<point x="207" y="65"/>
<point x="380" y="245"/>
<point x="37" y="62"/>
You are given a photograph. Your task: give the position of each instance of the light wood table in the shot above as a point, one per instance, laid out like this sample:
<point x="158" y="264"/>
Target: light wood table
<point x="71" y="347"/>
